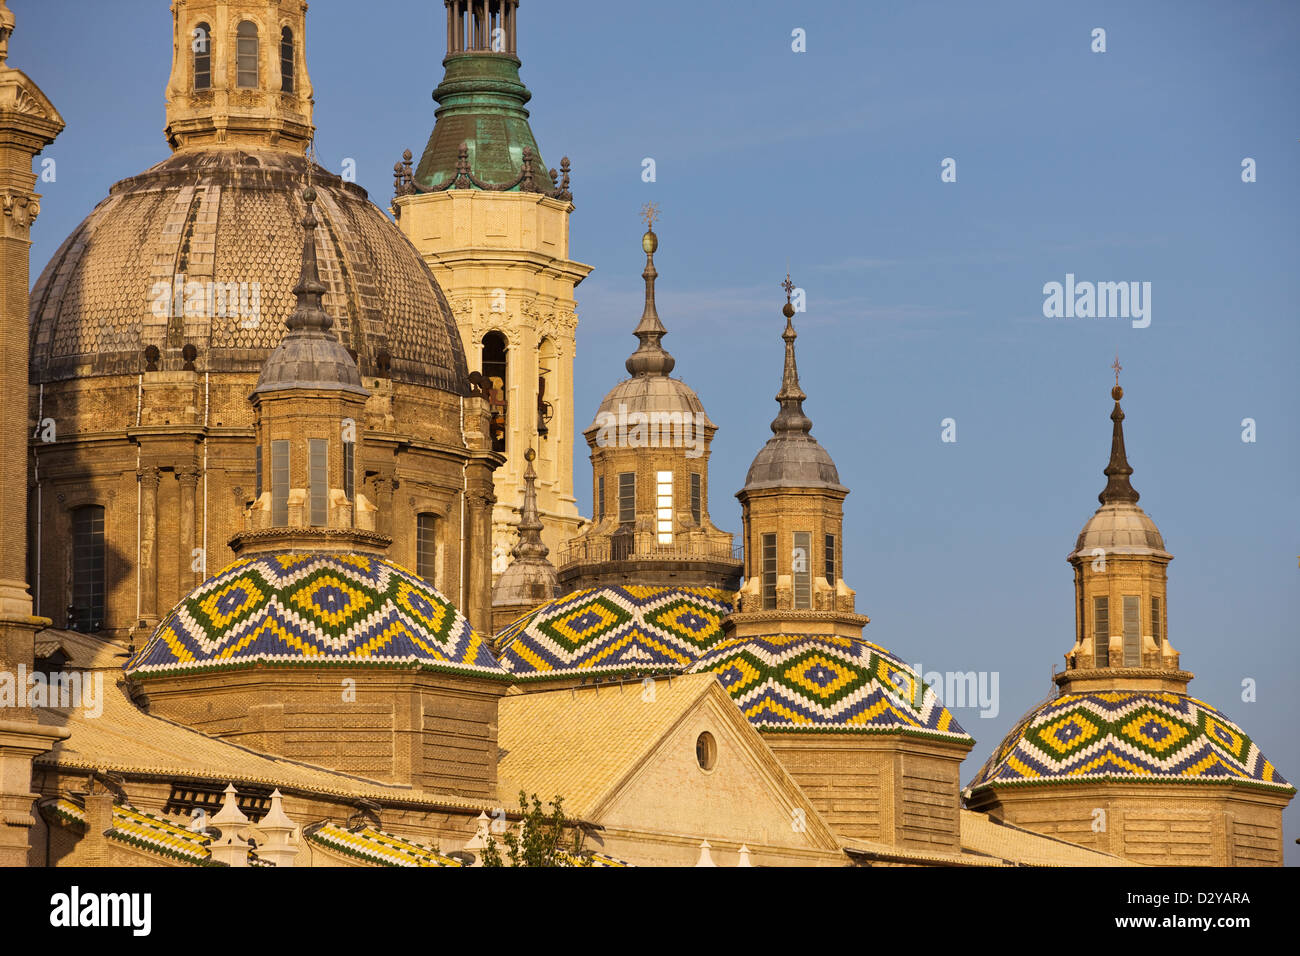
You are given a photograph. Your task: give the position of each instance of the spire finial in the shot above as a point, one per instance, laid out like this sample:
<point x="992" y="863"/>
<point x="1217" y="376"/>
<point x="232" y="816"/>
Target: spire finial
<point x="650" y="358"/>
<point x="530" y="544"/>
<point x="790" y="420"/>
<point x="310" y="314"/>
<point x="1118" y="487"/>
<point x="649" y="212"/>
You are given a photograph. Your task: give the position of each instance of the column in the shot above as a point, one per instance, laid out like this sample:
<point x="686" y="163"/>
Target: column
<point x="25" y="130"/>
<point x="148" y="566"/>
<point x="188" y="579"/>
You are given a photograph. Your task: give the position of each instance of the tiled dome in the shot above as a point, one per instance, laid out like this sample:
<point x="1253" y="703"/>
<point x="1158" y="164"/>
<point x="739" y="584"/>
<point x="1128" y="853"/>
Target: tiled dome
<point x="235" y="216"/>
<point x="612" y="631"/>
<point x="314" y="609"/>
<point x="1131" y="736"/>
<point x="811" y="683"/>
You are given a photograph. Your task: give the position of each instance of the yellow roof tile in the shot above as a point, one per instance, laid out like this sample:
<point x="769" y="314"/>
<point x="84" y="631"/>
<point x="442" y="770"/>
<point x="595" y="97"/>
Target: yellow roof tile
<point x="580" y="743"/>
<point x="127" y="740"/>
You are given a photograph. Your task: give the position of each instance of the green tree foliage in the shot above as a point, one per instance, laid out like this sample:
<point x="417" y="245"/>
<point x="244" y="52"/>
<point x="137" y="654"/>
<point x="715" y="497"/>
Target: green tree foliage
<point x="540" y="840"/>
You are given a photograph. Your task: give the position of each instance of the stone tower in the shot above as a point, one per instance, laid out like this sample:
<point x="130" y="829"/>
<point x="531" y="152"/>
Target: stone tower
<point x="28" y="123"/>
<point x="793" y="510"/>
<point x="1123" y="759"/>
<point x="649" y="445"/>
<point x="493" y="225"/>
<point x="875" y="750"/>
<point x="307" y="403"/>
<point x="239" y="75"/>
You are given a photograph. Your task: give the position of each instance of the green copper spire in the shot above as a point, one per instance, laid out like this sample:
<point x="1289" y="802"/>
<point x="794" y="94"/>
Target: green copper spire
<point x="481" y="100"/>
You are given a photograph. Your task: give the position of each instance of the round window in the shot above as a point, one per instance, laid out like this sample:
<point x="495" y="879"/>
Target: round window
<point x="706" y="751"/>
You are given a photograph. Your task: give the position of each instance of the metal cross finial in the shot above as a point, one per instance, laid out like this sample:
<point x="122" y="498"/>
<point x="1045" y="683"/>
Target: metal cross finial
<point x="1117" y="367"/>
<point x="650" y="212"/>
<point x="788" y="286"/>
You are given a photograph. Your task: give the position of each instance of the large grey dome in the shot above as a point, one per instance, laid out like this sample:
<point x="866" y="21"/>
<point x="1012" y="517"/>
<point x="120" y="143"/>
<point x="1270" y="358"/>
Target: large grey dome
<point x="223" y="217"/>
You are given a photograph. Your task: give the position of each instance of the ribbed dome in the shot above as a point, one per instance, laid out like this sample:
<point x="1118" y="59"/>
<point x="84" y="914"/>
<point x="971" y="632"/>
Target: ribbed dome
<point x="222" y="216"/>
<point x="792" y="458"/>
<point x="653" y="394"/>
<point x="1120" y="528"/>
<point x="792" y="462"/>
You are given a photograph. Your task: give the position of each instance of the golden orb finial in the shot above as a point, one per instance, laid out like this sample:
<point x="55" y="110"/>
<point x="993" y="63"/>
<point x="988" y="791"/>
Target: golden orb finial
<point x="650" y="242"/>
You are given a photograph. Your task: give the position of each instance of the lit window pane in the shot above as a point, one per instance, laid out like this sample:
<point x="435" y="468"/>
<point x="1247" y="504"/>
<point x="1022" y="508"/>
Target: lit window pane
<point x="665" y="539"/>
<point x="665" y="476"/>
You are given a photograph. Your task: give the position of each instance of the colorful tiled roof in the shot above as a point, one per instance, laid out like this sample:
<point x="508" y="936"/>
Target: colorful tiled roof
<point x="823" y="683"/>
<point x="1129" y="736"/>
<point x="145" y="831"/>
<point x="615" y="630"/>
<point x="377" y="847"/>
<point x="314" y="609"/>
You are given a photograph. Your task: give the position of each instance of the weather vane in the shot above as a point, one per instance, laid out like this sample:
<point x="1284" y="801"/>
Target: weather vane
<point x="1118" y="368"/>
<point x="650" y="212"/>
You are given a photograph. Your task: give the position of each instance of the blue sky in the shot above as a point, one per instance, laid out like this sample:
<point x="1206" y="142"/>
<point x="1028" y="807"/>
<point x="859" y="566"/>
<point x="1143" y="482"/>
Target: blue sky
<point x="924" y="298"/>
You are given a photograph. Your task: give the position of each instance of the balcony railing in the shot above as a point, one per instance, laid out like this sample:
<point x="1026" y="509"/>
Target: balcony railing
<point x="646" y="547"/>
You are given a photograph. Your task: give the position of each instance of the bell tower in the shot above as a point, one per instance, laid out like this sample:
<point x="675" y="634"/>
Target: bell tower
<point x="239" y="75"/>
<point x="493" y="225"/>
<point x="1120" y="564"/>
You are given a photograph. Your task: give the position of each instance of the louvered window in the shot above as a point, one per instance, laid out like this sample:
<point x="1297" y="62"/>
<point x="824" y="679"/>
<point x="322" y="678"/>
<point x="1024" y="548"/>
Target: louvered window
<point x="769" y="572"/>
<point x="247" y="50"/>
<point x="202" y="47"/>
<point x="319" y="450"/>
<point x="801" y="569"/>
<point x="279" y="483"/>
<point x="1132" y="631"/>
<point x="1101" y="631"/>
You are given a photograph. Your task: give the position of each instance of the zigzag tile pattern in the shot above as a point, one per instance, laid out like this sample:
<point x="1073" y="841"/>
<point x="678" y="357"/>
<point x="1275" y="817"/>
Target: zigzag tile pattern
<point x="312" y="609"/>
<point x="1130" y="736"/>
<point x="615" y="630"/>
<point x="817" y="682"/>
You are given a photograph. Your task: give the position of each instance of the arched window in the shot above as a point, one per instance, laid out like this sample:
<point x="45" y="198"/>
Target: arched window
<point x="494" y="378"/>
<point x="546" y="363"/>
<point x="202" y="47"/>
<point x="89" y="554"/>
<point x="426" y="547"/>
<point x="247" y="50"/>
<point x="286" y="60"/>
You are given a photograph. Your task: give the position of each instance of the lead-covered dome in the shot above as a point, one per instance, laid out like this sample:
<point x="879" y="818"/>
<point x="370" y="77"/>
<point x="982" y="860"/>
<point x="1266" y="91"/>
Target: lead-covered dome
<point x="792" y="458"/>
<point x="204" y="249"/>
<point x="1120" y="528"/>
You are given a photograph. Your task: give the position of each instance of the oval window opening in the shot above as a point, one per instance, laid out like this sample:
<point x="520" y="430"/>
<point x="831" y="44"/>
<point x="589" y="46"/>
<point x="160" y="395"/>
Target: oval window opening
<point x="706" y="751"/>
